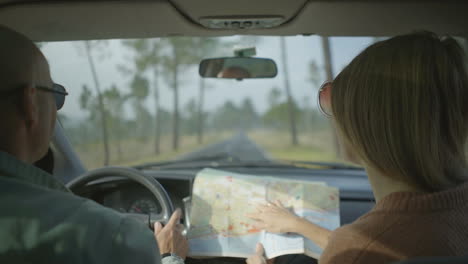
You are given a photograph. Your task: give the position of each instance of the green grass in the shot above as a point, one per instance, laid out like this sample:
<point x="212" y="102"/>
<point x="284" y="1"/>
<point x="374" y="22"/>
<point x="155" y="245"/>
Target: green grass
<point x="316" y="146"/>
<point x="164" y="156"/>
<point x="134" y="151"/>
<point x="302" y="153"/>
<point x="313" y="146"/>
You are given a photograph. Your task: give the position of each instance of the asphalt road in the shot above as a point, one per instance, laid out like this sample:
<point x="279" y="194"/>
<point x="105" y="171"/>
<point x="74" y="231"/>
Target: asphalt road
<point x="239" y="146"/>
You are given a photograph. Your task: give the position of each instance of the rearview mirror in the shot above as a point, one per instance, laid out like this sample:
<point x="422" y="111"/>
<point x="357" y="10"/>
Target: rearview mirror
<point x="238" y="68"/>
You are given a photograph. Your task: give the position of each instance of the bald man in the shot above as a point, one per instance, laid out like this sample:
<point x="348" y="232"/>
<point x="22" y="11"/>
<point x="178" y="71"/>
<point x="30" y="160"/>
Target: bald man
<point x="40" y="220"/>
<point x="234" y="72"/>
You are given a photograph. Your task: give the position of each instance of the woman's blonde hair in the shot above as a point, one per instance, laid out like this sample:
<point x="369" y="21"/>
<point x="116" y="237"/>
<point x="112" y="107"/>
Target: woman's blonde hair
<point x="402" y="104"/>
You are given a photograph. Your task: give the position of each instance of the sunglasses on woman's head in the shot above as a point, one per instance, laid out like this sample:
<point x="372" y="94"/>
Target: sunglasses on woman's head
<point x="324" y="99"/>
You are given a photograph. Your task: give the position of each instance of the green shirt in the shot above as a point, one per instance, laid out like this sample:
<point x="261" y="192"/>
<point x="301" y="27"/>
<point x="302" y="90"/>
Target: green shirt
<point x="41" y="221"/>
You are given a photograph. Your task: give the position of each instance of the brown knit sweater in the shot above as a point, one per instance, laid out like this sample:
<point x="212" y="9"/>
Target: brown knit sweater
<point x="404" y="225"/>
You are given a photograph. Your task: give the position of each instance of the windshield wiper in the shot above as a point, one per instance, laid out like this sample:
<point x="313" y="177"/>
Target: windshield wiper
<point x="328" y="165"/>
<point x="220" y="164"/>
<point x="224" y="156"/>
<point x="289" y="164"/>
<point x="228" y="161"/>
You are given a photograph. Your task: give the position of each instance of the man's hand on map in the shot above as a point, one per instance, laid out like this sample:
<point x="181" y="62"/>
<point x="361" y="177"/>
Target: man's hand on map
<point x="274" y="218"/>
<point x="170" y="238"/>
<point x="259" y="257"/>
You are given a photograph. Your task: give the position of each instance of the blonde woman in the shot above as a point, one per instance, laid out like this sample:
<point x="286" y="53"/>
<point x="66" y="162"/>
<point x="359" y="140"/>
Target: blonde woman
<point x="401" y="110"/>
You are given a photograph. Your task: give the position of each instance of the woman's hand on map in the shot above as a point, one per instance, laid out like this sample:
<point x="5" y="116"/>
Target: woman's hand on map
<point x="274" y="218"/>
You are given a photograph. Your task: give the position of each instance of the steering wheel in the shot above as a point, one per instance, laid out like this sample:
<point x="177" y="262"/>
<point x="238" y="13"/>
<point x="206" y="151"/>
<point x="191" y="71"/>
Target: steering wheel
<point x="132" y="174"/>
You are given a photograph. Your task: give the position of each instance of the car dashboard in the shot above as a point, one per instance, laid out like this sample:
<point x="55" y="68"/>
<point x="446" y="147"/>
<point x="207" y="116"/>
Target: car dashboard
<point x="125" y="196"/>
<point x="129" y="197"/>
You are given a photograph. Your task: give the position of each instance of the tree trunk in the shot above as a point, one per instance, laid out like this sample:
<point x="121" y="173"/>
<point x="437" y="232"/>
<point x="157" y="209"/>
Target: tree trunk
<point x="105" y="135"/>
<point x="157" y="115"/>
<point x="118" y="134"/>
<point x="175" y="83"/>
<point x="464" y="43"/>
<point x="119" y="143"/>
<point x="292" y="114"/>
<point x="327" y="58"/>
<point x="201" y="98"/>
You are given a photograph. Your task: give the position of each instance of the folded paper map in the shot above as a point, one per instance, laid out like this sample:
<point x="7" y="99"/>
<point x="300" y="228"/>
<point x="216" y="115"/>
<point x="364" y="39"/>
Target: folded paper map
<point x="221" y="199"/>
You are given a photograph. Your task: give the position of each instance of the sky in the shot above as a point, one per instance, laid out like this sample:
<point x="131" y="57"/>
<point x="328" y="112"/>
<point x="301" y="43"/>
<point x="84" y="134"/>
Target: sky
<point x="70" y="68"/>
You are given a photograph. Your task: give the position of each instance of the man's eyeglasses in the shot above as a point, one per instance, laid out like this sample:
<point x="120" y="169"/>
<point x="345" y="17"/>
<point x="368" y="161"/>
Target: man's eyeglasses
<point x="324" y="99"/>
<point x="58" y="90"/>
<point x="59" y="93"/>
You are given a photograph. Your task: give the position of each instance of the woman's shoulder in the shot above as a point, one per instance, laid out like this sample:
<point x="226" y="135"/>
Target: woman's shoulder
<point x="351" y="242"/>
<point x="344" y="245"/>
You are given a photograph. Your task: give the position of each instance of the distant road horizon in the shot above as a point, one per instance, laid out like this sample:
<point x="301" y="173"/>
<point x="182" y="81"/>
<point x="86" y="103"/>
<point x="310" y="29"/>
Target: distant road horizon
<point x="239" y="146"/>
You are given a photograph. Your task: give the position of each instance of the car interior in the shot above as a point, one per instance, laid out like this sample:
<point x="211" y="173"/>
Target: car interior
<point x="161" y="187"/>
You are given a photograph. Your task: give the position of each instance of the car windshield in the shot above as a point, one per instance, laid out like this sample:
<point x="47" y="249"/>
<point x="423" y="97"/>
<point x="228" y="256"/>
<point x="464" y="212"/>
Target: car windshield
<point x="133" y="102"/>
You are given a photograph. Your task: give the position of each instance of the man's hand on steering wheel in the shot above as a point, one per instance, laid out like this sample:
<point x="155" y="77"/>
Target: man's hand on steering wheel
<point x="170" y="238"/>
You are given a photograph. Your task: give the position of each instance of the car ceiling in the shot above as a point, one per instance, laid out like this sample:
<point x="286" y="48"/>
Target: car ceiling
<point x="80" y="20"/>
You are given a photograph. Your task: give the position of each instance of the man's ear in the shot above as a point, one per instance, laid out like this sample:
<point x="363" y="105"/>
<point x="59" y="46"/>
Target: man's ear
<point x="29" y="106"/>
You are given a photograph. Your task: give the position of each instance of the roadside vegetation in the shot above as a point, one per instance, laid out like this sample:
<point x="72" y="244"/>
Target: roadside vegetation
<point x="135" y="152"/>
<point x="120" y="128"/>
<point x="313" y="147"/>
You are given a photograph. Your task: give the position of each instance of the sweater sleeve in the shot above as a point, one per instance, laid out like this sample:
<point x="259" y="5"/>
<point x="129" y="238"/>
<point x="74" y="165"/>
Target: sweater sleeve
<point x="363" y="242"/>
<point x="344" y="247"/>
